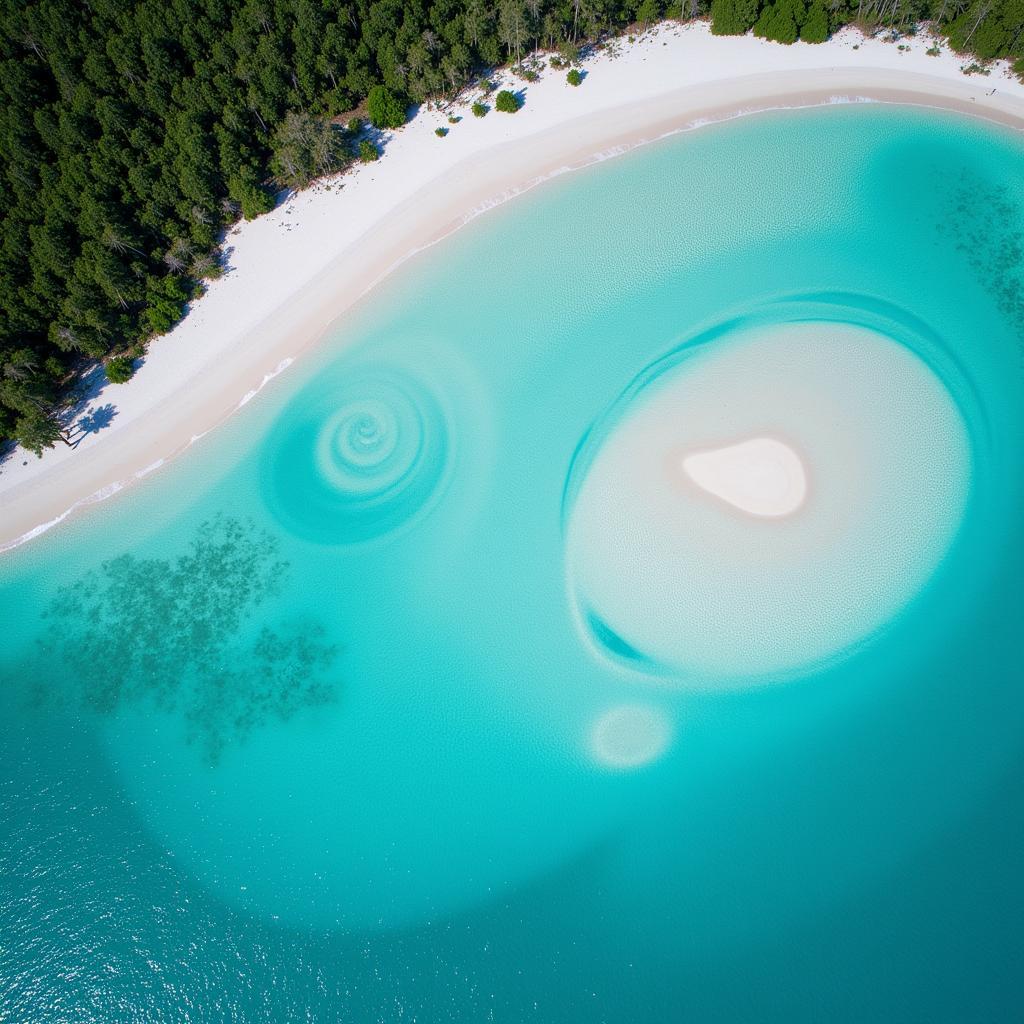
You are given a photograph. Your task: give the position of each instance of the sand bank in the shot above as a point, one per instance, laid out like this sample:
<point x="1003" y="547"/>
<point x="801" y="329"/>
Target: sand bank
<point x="296" y="270"/>
<point x="761" y="571"/>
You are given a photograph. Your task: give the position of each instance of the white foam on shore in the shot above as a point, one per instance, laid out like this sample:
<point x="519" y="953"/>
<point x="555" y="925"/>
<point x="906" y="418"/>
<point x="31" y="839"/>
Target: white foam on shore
<point x="91" y="499"/>
<point x="685" y="581"/>
<point x="267" y="378"/>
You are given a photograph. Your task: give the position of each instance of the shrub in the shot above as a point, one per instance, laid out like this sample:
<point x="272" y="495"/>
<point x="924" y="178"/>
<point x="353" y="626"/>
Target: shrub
<point x="355" y="125"/>
<point x="506" y="102"/>
<point x="385" y="108"/>
<point x="440" y="132"/>
<point x="574" y="77"/>
<point x="1018" y="68"/>
<point x="479" y="109"/>
<point x="556" y="62"/>
<point x="367" y="151"/>
<point x="933" y="51"/>
<point x="452" y="119"/>
<point x="570" y="53"/>
<point x="119" y="369"/>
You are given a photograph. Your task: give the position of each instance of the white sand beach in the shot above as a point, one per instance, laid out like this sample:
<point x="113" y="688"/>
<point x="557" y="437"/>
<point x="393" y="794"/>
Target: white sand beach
<point x="298" y="269"/>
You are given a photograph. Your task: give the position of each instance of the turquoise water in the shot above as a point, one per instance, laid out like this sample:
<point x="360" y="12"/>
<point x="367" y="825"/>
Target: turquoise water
<point x="308" y="726"/>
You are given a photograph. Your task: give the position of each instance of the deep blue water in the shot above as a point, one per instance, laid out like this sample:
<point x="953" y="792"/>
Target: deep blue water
<point x="307" y="726"/>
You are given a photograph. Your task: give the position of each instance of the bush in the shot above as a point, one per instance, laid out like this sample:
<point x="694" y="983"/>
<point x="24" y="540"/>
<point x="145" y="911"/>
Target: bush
<point x="385" y="108"/>
<point x="570" y="52"/>
<point x="1018" y="68"/>
<point x="506" y="102"/>
<point x="574" y="77"/>
<point x="119" y="369"/>
<point x="440" y="132"/>
<point x="367" y="151"/>
<point x="479" y="109"/>
<point x="355" y="125"/>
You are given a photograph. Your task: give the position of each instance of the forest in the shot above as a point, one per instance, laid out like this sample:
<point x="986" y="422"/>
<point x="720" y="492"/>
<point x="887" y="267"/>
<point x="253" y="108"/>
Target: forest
<point x="133" y="133"/>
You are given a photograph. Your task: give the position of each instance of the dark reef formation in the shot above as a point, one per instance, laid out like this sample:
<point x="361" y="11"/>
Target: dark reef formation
<point x="179" y="633"/>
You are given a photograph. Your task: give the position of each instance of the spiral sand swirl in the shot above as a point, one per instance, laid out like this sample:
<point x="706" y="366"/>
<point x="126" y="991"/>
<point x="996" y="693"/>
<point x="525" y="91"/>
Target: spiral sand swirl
<point x="361" y="462"/>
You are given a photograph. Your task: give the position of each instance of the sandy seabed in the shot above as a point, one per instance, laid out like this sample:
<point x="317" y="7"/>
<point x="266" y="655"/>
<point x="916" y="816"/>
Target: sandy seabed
<point x="298" y="269"/>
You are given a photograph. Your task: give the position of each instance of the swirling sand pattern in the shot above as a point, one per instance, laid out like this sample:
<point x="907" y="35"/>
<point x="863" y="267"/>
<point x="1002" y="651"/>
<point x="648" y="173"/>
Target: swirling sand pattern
<point x="358" y="462"/>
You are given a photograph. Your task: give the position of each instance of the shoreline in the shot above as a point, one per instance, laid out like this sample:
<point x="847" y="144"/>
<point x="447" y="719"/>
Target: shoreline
<point x="297" y="270"/>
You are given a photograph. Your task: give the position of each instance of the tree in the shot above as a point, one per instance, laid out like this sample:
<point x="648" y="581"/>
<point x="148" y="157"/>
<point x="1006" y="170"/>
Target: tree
<point x="120" y="369"/>
<point x="38" y="429"/>
<point x="507" y="102"/>
<point x="649" y="11"/>
<point x="306" y="147"/>
<point x="733" y="17"/>
<point x="779" y="21"/>
<point x="385" y="109"/>
<point x="815" y="27"/>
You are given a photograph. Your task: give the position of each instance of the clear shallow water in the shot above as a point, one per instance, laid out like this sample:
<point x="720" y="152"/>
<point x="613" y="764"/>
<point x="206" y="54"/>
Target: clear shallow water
<point x="308" y="726"/>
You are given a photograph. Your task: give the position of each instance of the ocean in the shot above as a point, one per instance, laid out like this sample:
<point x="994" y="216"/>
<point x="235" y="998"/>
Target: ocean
<point x="400" y="698"/>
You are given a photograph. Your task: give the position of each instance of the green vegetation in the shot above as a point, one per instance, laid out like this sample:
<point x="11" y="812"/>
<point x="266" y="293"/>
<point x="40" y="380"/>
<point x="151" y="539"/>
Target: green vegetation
<point x="815" y="26"/>
<point x="984" y="28"/>
<point x="368" y="152"/>
<point x="120" y="369"/>
<point x="780" y="21"/>
<point x="440" y="132"/>
<point x="574" y="77"/>
<point x="733" y="17"/>
<point x="386" y="109"/>
<point x="133" y="131"/>
<point x="307" y="147"/>
<point x="506" y="102"/>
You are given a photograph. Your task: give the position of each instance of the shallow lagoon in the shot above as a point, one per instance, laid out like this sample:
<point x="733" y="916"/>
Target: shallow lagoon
<point x="319" y="721"/>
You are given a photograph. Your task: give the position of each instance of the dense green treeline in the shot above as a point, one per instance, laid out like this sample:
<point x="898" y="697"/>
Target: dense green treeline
<point x="983" y="28"/>
<point x="132" y="132"/>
